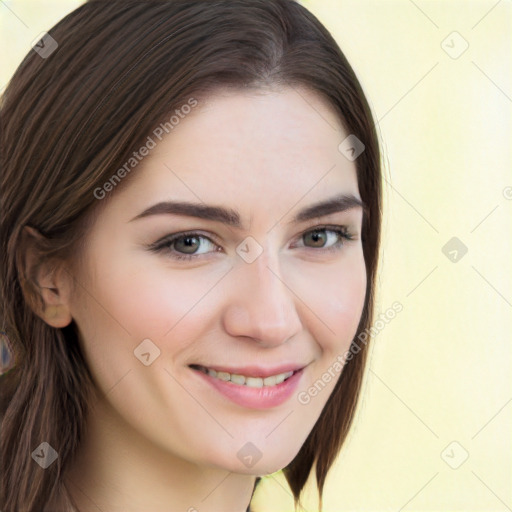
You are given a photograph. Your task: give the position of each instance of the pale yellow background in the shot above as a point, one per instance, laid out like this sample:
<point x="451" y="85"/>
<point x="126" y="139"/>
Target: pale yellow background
<point x="440" y="371"/>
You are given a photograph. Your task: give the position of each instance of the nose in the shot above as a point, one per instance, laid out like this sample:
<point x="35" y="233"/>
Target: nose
<point x="261" y="305"/>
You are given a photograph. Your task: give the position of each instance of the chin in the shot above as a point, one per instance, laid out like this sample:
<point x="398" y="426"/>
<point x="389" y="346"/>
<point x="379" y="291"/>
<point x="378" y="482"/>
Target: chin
<point x="266" y="464"/>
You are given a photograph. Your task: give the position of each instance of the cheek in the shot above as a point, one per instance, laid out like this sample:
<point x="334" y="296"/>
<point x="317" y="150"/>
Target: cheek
<point x="144" y="300"/>
<point x="336" y="295"/>
<point x="347" y="304"/>
<point x="338" y="301"/>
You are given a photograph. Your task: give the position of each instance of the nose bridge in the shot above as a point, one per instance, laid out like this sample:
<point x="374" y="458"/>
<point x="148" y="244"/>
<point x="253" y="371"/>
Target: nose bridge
<point x="266" y="306"/>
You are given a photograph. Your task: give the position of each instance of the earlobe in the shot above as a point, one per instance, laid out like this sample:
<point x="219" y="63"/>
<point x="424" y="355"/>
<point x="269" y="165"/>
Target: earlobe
<point x="50" y="281"/>
<point x="55" y="313"/>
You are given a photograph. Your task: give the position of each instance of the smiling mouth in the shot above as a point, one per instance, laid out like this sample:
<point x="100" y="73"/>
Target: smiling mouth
<point x="243" y="380"/>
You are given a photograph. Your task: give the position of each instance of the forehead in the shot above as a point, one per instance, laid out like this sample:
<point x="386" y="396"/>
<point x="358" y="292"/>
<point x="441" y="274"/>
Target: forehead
<point x="274" y="125"/>
<point x="255" y="149"/>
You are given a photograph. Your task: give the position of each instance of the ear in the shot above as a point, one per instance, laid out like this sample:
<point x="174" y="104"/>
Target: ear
<point x="48" y="279"/>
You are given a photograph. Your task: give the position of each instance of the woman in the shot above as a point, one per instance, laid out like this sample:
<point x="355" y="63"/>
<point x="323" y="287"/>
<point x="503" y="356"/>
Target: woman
<point x="191" y="217"/>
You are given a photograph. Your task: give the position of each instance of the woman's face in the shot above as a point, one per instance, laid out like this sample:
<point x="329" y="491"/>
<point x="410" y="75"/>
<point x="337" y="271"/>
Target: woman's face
<point x="261" y="296"/>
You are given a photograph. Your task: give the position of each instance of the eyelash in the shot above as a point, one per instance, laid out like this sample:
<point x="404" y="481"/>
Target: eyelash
<point x="165" y="244"/>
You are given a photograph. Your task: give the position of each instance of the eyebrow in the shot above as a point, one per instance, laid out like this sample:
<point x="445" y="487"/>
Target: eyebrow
<point x="339" y="203"/>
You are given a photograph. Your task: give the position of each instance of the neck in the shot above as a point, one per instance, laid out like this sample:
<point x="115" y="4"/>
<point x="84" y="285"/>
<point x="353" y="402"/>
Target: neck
<point x="119" y="470"/>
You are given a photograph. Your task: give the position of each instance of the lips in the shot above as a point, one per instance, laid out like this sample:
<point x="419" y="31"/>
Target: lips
<point x="251" y="387"/>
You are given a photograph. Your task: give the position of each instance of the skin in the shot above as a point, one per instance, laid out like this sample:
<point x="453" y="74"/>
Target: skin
<point x="158" y="435"/>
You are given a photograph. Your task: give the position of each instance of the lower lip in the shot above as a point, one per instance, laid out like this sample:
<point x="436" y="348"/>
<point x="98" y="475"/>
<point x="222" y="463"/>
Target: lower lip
<point x="254" y="398"/>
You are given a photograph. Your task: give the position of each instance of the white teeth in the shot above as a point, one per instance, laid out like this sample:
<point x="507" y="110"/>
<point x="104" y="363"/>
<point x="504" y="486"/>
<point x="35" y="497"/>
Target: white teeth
<point x="280" y="378"/>
<point x="242" y="380"/>
<point x="254" y="382"/>
<point x="237" y="379"/>
<point x="270" y="381"/>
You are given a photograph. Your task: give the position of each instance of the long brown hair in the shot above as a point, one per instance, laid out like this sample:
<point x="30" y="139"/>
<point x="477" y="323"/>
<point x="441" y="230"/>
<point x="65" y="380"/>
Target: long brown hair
<point x="69" y="119"/>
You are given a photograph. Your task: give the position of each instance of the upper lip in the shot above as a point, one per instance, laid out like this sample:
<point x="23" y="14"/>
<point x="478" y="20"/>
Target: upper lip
<point x="254" y="370"/>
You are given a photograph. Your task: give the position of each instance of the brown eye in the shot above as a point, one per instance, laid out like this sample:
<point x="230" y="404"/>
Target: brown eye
<point x="327" y="238"/>
<point x="184" y="246"/>
<point x="187" y="244"/>
<point x="318" y="238"/>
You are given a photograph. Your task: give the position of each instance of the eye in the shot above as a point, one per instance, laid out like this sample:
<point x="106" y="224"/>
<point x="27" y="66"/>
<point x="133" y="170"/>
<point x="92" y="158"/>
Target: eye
<point x="187" y="246"/>
<point x="189" y="243"/>
<point x="329" y="238"/>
